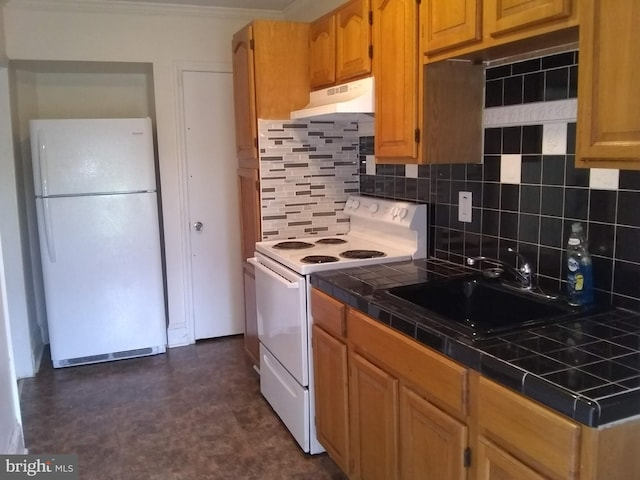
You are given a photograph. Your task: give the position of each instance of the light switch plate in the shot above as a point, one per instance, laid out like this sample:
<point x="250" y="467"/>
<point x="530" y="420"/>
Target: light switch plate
<point x="465" y="204"/>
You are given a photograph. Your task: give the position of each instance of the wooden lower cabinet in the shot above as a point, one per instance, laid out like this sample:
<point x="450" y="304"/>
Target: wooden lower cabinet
<point x="374" y="421"/>
<point x="493" y="463"/>
<point x="390" y="408"/>
<point x="432" y="443"/>
<point x="251" y="341"/>
<point x="331" y="379"/>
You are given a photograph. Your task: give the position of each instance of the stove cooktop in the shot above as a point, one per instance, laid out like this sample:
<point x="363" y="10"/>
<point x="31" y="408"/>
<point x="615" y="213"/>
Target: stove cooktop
<point x="380" y="231"/>
<point x="351" y="251"/>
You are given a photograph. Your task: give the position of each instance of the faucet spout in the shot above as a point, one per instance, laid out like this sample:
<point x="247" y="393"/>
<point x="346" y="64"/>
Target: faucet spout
<point x="523" y="272"/>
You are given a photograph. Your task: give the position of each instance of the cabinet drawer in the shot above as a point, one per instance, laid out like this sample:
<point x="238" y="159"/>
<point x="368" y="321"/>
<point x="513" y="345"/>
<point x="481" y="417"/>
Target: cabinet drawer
<point x="441" y="380"/>
<point x="539" y="437"/>
<point x="328" y="313"/>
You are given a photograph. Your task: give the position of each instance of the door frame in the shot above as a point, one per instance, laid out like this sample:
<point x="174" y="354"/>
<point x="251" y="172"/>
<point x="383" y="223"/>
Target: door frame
<point x="184" y="334"/>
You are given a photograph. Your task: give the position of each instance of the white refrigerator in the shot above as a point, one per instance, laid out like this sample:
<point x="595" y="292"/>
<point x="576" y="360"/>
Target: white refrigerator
<point x="97" y="208"/>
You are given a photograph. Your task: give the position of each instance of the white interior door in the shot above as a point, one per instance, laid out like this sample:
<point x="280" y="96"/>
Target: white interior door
<point x="216" y="271"/>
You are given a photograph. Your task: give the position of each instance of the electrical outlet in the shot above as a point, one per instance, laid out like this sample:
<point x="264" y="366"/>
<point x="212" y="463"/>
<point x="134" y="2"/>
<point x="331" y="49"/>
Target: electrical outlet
<point x="465" y="204"/>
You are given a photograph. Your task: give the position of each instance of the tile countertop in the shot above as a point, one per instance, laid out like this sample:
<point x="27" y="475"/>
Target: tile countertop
<point x="587" y="369"/>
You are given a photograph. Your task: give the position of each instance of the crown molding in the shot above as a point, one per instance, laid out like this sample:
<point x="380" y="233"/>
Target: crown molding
<point x="138" y="8"/>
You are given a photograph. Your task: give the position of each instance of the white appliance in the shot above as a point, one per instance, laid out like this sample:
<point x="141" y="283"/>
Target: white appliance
<point x="380" y="231"/>
<point x="95" y="188"/>
<point x="356" y="97"/>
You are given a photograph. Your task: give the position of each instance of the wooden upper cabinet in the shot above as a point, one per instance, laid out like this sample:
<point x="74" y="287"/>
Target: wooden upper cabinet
<point x="397" y="80"/>
<point x="353" y="40"/>
<point x="608" y="126"/>
<point x="492" y="29"/>
<point x="504" y="16"/>
<point x="339" y="45"/>
<point x="244" y="96"/>
<point x="451" y="23"/>
<point x="271" y="78"/>
<point x="322" y="51"/>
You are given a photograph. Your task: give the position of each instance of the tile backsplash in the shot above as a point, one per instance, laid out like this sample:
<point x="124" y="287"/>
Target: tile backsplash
<point x="526" y="193"/>
<point x="307" y="171"/>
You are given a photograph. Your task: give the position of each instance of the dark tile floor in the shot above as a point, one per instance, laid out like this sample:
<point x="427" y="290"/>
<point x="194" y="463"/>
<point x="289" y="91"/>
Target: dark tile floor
<point x="193" y="413"/>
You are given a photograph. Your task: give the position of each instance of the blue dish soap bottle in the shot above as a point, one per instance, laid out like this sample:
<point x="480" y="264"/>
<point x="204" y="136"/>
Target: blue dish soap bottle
<point x="579" y="268"/>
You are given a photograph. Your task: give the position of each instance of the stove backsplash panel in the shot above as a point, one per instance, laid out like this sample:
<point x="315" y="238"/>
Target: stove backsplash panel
<point x="526" y="192"/>
<point x="307" y="171"/>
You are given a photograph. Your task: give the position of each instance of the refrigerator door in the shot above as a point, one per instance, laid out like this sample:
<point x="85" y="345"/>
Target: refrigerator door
<point x="102" y="274"/>
<point x="87" y="156"/>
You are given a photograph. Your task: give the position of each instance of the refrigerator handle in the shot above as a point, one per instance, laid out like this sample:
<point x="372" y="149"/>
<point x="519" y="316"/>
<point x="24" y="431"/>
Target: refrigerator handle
<point x="48" y="230"/>
<point x="42" y="163"/>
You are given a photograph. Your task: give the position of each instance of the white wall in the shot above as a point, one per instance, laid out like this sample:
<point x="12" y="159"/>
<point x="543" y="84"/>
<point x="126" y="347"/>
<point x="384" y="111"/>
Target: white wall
<point x="11" y="437"/>
<point x="166" y="38"/>
<point x="309" y="10"/>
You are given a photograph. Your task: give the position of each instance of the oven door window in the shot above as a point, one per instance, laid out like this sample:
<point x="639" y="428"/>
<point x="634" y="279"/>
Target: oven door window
<point x="281" y="304"/>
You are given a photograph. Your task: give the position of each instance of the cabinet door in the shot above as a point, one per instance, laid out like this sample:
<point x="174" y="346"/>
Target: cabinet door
<point x="322" y="52"/>
<point x="493" y="463"/>
<point x="374" y="421"/>
<point x="451" y="23"/>
<point x="395" y="67"/>
<point x="244" y="96"/>
<point x="249" y="186"/>
<point x="432" y="443"/>
<point x="503" y="16"/>
<point x="331" y="395"/>
<point x="251" y="342"/>
<point x="608" y="101"/>
<point x="353" y="39"/>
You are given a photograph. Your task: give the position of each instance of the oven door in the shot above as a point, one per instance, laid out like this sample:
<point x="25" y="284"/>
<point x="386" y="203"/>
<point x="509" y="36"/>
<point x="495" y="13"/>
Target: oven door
<point x="281" y="304"/>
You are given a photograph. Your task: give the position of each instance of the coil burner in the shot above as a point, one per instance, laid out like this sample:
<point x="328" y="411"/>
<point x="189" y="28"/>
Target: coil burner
<point x="293" y="245"/>
<point x="331" y="241"/>
<point x="359" y="254"/>
<point x="319" y="259"/>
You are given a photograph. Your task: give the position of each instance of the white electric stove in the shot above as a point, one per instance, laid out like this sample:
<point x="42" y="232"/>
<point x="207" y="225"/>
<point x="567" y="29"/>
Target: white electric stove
<point x="381" y="231"/>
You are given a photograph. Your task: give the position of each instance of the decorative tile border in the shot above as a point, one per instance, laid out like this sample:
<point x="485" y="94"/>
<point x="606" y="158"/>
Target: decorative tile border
<point x="307" y="171"/>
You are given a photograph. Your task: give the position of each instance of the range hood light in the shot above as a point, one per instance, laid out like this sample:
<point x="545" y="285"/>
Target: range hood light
<point x="355" y="97"/>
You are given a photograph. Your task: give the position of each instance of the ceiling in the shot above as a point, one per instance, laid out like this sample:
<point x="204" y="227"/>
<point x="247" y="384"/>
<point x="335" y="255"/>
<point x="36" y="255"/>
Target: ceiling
<point x="278" y="5"/>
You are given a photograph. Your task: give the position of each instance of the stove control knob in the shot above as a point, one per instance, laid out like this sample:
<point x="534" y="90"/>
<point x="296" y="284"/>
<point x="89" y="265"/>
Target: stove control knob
<point x="403" y="213"/>
<point x="355" y="204"/>
<point x="394" y="212"/>
<point x="373" y="208"/>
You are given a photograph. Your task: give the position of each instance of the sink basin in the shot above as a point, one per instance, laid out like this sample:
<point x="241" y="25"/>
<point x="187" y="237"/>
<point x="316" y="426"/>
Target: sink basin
<point x="479" y="307"/>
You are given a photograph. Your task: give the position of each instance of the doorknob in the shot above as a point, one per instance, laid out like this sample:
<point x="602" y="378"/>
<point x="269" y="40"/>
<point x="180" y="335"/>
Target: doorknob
<point x="198" y="226"/>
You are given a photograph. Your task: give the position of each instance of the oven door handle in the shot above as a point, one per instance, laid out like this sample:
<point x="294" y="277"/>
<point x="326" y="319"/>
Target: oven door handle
<point x="273" y="274"/>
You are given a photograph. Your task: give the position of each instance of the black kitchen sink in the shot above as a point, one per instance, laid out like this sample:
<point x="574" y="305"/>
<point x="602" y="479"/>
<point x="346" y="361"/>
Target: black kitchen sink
<point x="479" y="307"/>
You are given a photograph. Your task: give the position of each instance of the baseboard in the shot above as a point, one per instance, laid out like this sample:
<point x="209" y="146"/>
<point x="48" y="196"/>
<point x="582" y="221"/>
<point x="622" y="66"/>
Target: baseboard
<point x="15" y="442"/>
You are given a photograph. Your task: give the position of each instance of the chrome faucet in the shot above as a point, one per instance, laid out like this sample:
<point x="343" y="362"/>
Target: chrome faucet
<point x="523" y="272"/>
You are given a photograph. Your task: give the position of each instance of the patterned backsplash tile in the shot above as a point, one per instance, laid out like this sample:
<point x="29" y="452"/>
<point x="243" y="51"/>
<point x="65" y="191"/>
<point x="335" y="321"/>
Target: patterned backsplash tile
<point x="307" y="171"/>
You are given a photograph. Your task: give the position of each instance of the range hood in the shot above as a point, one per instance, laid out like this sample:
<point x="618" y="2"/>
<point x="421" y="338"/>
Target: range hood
<point x="348" y="98"/>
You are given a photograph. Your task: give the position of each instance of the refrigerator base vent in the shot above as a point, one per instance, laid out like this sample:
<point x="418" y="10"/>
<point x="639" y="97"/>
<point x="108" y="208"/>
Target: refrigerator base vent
<point x="107" y="357"/>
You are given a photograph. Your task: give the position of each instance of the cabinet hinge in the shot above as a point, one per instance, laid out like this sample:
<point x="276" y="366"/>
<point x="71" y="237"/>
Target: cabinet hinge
<point x="370" y="17"/>
<point x="255" y="142"/>
<point x="467" y="457"/>
<point x="251" y="44"/>
<point x="370" y="51"/>
<point x="257" y="185"/>
<point x="417" y="135"/>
